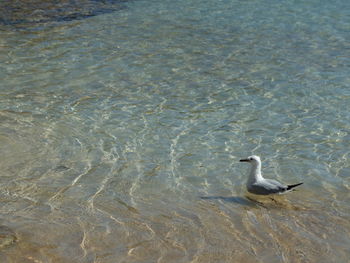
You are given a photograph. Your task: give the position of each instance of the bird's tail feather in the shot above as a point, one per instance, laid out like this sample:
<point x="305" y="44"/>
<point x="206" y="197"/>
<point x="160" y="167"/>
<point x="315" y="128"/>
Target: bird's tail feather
<point x="291" y="186"/>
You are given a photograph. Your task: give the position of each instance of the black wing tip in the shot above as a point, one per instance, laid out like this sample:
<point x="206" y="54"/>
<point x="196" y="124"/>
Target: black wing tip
<point x="291" y="186"/>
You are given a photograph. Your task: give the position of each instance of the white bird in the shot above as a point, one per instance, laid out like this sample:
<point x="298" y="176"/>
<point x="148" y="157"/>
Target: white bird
<point x="258" y="185"/>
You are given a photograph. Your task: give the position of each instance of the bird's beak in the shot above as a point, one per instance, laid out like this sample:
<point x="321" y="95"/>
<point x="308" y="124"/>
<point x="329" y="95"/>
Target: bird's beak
<point x="244" y="160"/>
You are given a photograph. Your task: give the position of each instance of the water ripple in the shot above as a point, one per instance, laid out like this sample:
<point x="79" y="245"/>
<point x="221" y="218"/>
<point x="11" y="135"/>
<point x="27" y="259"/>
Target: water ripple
<point x="121" y="134"/>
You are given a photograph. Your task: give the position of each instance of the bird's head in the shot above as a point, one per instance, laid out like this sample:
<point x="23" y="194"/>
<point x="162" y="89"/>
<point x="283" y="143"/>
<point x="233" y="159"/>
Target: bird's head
<point x="254" y="159"/>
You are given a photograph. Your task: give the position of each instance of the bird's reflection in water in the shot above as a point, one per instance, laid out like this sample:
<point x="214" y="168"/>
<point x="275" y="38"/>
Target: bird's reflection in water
<point x="251" y="200"/>
<point x="273" y="202"/>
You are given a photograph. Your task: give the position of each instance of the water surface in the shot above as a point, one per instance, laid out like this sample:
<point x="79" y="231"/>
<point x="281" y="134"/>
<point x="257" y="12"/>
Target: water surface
<point x="120" y="134"/>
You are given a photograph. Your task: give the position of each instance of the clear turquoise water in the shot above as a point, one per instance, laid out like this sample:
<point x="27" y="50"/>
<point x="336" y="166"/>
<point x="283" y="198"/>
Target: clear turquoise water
<point x="120" y="134"/>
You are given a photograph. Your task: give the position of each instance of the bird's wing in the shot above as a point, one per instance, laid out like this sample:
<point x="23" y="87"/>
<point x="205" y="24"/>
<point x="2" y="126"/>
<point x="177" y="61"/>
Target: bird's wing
<point x="266" y="187"/>
<point x="275" y="183"/>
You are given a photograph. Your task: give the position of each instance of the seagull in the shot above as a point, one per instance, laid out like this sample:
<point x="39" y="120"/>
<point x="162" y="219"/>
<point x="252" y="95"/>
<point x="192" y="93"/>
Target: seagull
<point x="258" y="185"/>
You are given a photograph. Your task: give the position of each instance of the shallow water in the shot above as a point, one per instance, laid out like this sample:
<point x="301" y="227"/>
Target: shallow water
<point x="120" y="134"/>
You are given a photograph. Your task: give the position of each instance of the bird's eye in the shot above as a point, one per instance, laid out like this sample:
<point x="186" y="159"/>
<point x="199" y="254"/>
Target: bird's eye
<point x="251" y="159"/>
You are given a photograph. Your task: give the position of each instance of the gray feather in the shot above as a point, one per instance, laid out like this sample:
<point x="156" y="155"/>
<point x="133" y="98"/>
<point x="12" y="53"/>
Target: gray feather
<point x="267" y="186"/>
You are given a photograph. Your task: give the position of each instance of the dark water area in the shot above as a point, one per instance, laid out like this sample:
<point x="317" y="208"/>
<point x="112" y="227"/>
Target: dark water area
<point x="21" y="13"/>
